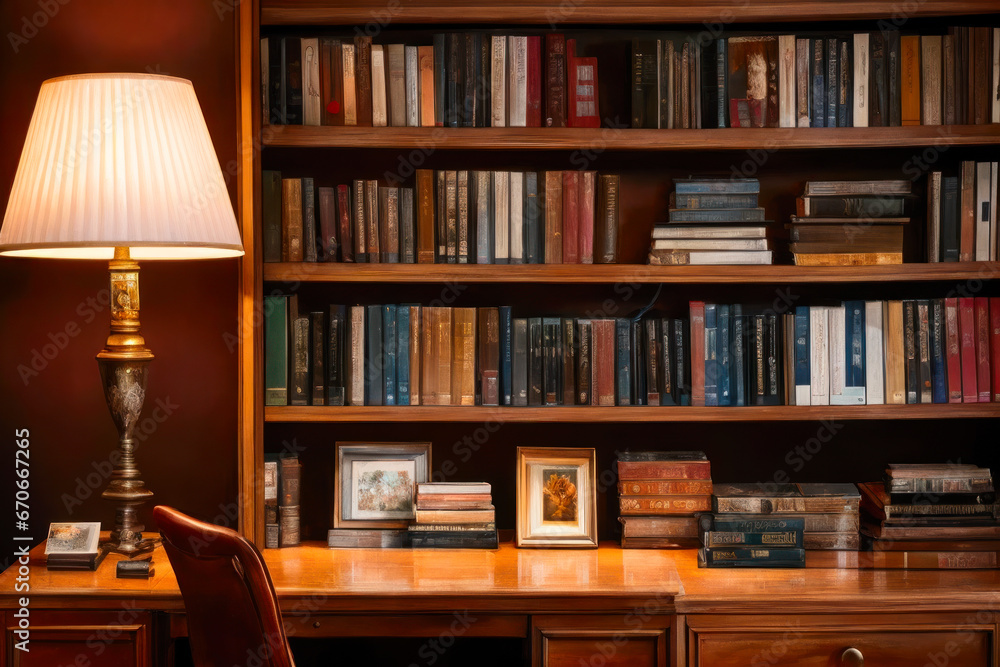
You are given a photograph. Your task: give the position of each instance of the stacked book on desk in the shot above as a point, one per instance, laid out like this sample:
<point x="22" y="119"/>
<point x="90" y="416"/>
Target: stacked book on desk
<point x="454" y="515"/>
<point x="282" y="495"/>
<point x="927" y="516"/>
<point x="848" y="223"/>
<point x="829" y="514"/>
<point x="73" y="546"/>
<point x="751" y="540"/>
<point x="712" y="221"/>
<point x="660" y="494"/>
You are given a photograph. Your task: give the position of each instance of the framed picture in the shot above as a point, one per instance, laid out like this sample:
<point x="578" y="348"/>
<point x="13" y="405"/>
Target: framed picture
<point x="66" y="539"/>
<point x="556" y="497"/>
<point x="377" y="482"/>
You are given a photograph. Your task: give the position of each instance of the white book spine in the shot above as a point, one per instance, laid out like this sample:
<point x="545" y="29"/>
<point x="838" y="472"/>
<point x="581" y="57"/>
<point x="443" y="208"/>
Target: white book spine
<point x="379" y="108"/>
<point x="819" y="356"/>
<point x="721" y="257"/>
<point x="412" y="88"/>
<point x="663" y="232"/>
<point x="874" y="356"/>
<point x="861" y="92"/>
<point x="984" y="170"/>
<point x="786" y="81"/>
<point x="710" y="244"/>
<point x="517" y="100"/>
<point x="498" y="82"/>
<point x="838" y="358"/>
<point x="993" y="215"/>
<point x="517" y="217"/>
<point x="312" y="102"/>
<point x="501" y="216"/>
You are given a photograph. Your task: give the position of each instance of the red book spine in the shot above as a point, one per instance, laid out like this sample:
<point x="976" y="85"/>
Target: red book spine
<point x="555" y="80"/>
<point x="534" y="113"/>
<point x="603" y="348"/>
<point x="697" y="360"/>
<point x="967" y="328"/>
<point x="664" y="470"/>
<point x="583" y="93"/>
<point x="995" y="346"/>
<point x="983" y="348"/>
<point x="588" y="191"/>
<point x="571" y="217"/>
<point x="953" y="350"/>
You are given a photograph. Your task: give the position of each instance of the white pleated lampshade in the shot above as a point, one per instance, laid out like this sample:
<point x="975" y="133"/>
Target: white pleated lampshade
<point x="119" y="160"/>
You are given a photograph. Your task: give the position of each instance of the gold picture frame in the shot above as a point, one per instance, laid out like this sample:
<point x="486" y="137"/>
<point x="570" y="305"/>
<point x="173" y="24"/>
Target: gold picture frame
<point x="357" y="465"/>
<point x="557" y="497"/>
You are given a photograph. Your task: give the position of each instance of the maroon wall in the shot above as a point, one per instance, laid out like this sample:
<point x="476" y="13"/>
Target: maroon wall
<point x="189" y="458"/>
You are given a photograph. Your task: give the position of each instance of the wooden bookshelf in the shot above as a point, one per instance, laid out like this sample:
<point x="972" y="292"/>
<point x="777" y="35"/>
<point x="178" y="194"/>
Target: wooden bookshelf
<point x="624" y="273"/>
<point x="651" y="414"/>
<point x="546" y="139"/>
<point x="544" y="12"/>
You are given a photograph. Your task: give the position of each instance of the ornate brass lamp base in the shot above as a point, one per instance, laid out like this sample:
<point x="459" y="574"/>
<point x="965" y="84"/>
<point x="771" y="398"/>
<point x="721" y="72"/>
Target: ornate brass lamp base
<point x="124" y="364"/>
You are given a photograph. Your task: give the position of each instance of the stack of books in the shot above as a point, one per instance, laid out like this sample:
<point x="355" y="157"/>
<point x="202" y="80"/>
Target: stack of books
<point x="454" y="515"/>
<point x="660" y="494"/>
<point x="749" y="540"/>
<point x="850" y="223"/>
<point x="830" y="514"/>
<point x="928" y="516"/>
<point x="712" y="221"/>
<point x="73" y="546"/>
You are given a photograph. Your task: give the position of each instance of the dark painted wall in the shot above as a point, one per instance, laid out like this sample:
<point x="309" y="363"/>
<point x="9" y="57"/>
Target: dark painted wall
<point x="188" y="456"/>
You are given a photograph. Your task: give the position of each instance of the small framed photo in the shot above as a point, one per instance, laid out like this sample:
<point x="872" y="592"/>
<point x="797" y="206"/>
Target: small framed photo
<point x="377" y="483"/>
<point x="556" y="497"/>
<point x="68" y="539"/>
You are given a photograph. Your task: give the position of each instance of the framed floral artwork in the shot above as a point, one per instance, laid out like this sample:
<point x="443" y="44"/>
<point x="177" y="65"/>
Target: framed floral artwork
<point x="377" y="482"/>
<point x="556" y="497"/>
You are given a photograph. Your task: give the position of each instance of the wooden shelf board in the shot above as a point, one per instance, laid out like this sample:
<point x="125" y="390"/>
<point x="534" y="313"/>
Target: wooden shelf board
<point x="627" y="273"/>
<point x="570" y="414"/>
<point x="556" y="12"/>
<point x="541" y="138"/>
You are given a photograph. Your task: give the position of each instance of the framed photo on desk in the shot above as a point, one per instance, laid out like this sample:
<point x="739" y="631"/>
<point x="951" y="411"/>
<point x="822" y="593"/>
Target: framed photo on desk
<point x="556" y="497"/>
<point x="376" y="483"/>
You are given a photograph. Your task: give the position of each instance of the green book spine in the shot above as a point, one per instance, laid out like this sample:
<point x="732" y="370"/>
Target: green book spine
<point x="276" y="350"/>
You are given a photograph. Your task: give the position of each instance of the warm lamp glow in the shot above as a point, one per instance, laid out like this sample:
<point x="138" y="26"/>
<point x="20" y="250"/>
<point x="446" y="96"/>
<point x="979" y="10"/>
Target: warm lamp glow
<point x="119" y="160"/>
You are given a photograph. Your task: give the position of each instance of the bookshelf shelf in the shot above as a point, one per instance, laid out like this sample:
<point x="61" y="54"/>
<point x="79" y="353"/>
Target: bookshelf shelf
<point x="628" y="139"/>
<point x="616" y="414"/>
<point x="546" y="12"/>
<point x="628" y="273"/>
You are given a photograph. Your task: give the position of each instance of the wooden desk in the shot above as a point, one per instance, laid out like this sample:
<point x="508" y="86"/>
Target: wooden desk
<point x="651" y="607"/>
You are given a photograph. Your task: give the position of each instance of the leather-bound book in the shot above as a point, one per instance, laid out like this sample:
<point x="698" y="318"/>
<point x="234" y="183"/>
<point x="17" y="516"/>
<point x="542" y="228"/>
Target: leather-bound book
<point x="355" y="361"/>
<point x="606" y="219"/>
<point x="349" y="103"/>
<point x="389" y="225"/>
<point x="271" y="210"/>
<point x="425" y="216"/>
<point x="533" y="116"/>
<point x="359" y="225"/>
<point x="317" y="371"/>
<point x="968" y="333"/>
<point x="276" y="330"/>
<point x="555" y="80"/>
<point x="332" y="81"/>
<point x="328" y="225"/>
<point x="488" y="386"/>
<point x="291" y="220"/>
<point x="953" y="349"/>
<point x="603" y="362"/>
<point x="299" y="390"/>
<point x="571" y="217"/>
<point x="553" y="243"/>
<point x="363" y="79"/>
<point x="372" y="221"/>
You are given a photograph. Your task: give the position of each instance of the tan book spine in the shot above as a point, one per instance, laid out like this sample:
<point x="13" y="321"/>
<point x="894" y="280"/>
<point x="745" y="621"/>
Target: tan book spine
<point x="443" y="356"/>
<point x="312" y="102"/>
<point x="380" y="108"/>
<point x="454" y="516"/>
<point x="425" y="216"/>
<point x="356" y="362"/>
<point x="372" y="221"/>
<point x="848" y="258"/>
<point x="416" y="368"/>
<point x="291" y="219"/>
<point x="786" y="78"/>
<point x="948" y="101"/>
<point x="909" y="49"/>
<point x="463" y="371"/>
<point x="664" y="504"/>
<point x="862" y="63"/>
<point x="967" y="211"/>
<point x="934" y="217"/>
<point x="395" y="65"/>
<point x="553" y="217"/>
<point x="425" y="63"/>
<point x="501" y="217"/>
<point x="803" y="79"/>
<point x="350" y="91"/>
<point x="895" y="370"/>
<point x="665" y="487"/>
<point x="931" y="88"/>
<point x="498" y="75"/>
<point x="428" y="357"/>
<point x="412" y="84"/>
<point x="451" y="215"/>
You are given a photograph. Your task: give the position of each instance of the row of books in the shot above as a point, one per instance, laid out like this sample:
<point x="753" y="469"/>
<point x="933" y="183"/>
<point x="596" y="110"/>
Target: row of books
<point x="857" y="353"/>
<point x="282" y="498"/>
<point x="962" y="214"/>
<point x="451" y="216"/>
<point x="465" y="79"/>
<point x="865" y="79"/>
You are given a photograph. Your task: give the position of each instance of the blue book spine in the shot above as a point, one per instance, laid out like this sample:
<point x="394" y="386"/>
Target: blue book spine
<point x="506" y="355"/>
<point x="818" y="83"/>
<point x="845" y="104"/>
<point x="939" y="371"/>
<point x="738" y="357"/>
<point x="403" y="355"/>
<point x="711" y="349"/>
<point x="389" y="354"/>
<point x="717" y="186"/>
<point x="373" y="376"/>
<point x="854" y="340"/>
<point x="623" y="357"/>
<point x="832" y="86"/>
<point x="682" y="354"/>
<point x="802" y="372"/>
<point x="721" y="65"/>
<point x="723" y="359"/>
<point x="532" y="216"/>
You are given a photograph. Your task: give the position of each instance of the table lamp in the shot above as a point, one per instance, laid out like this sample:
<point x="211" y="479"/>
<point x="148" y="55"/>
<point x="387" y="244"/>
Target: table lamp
<point x="120" y="167"/>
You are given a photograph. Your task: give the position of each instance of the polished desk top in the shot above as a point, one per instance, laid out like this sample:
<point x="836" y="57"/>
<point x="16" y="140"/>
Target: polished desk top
<point x="511" y="579"/>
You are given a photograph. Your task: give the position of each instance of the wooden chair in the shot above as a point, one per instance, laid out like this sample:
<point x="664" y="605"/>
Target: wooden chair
<point x="232" y="611"/>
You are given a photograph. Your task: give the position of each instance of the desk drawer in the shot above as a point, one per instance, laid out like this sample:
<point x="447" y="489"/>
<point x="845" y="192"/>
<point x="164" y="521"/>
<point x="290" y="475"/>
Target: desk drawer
<point x="608" y="641"/>
<point x="81" y="638"/>
<point x="842" y="641"/>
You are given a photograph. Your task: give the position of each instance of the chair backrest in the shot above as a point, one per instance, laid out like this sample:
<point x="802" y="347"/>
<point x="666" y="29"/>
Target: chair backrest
<point x="232" y="611"/>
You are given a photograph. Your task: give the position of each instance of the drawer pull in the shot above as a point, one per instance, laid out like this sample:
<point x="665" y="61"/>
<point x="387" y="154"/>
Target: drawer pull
<point x="852" y="658"/>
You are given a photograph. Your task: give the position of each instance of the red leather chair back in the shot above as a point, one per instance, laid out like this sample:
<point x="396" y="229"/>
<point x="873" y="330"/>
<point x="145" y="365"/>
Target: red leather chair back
<point x="232" y="611"/>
